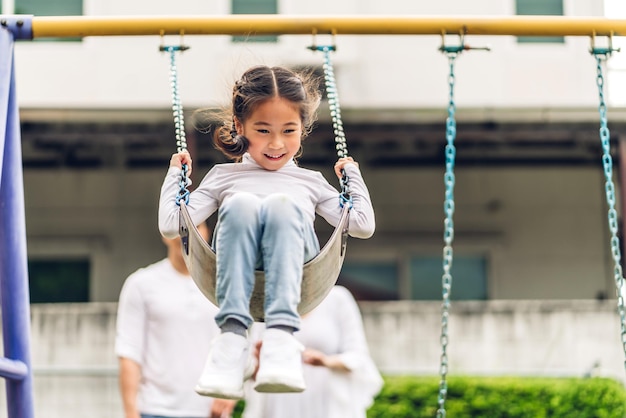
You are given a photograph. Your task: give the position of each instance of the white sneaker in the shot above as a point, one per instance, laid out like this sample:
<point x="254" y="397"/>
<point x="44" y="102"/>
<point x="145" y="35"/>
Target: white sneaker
<point x="223" y="372"/>
<point x="280" y="363"/>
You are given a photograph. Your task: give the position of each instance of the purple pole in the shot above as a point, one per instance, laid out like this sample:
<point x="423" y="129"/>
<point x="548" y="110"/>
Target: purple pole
<point x="14" y="294"/>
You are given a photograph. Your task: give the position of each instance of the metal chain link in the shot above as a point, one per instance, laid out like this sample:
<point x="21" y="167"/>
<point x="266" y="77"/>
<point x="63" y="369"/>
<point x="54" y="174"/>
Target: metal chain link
<point x="335" y="113"/>
<point x="179" y="121"/>
<point x="607" y="162"/>
<point x="448" y="237"/>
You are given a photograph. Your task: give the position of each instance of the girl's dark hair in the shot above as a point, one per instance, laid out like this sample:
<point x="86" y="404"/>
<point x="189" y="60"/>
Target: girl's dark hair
<point x="257" y="85"/>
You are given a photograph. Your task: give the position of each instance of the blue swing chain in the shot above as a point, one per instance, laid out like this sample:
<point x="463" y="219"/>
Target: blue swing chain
<point x="179" y="121"/>
<point x="335" y="113"/>
<point x="601" y="55"/>
<point x="448" y="233"/>
<point x="452" y="52"/>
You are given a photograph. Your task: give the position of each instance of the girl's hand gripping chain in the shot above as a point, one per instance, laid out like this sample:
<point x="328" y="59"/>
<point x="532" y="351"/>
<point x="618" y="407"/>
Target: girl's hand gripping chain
<point x="181" y="158"/>
<point x="341" y="163"/>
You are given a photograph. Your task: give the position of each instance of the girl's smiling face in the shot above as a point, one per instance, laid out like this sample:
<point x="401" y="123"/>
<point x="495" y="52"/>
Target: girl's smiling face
<point x="274" y="132"/>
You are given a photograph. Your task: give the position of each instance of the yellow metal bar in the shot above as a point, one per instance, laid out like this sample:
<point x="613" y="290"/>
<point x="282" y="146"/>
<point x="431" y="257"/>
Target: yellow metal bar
<point x="79" y="26"/>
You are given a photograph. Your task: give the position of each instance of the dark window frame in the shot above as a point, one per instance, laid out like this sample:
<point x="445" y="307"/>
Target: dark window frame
<point x="254" y="7"/>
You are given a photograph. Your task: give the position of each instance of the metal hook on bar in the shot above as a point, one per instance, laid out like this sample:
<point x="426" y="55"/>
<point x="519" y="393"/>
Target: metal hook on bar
<point x="315" y="47"/>
<point x="452" y="49"/>
<point x="180" y="47"/>
<point x="457" y="49"/>
<point x="314" y="44"/>
<point x="599" y="50"/>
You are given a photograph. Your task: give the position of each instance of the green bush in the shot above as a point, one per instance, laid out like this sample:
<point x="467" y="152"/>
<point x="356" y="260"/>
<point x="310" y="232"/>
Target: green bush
<point x="498" y="397"/>
<point x="505" y="397"/>
<point x="239" y="409"/>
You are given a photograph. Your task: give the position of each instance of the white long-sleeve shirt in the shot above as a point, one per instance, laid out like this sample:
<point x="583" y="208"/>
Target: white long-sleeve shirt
<point x="309" y="189"/>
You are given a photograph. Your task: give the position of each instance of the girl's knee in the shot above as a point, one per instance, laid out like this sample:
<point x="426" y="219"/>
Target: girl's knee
<point x="281" y="211"/>
<point x="241" y="204"/>
<point x="279" y="204"/>
<point x="239" y="212"/>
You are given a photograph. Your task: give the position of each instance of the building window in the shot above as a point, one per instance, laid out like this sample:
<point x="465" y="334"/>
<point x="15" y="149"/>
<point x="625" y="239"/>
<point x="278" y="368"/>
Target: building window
<point x="50" y="8"/>
<point x="539" y="7"/>
<point x="58" y="281"/>
<point x="371" y="280"/>
<point x="254" y="7"/>
<point x="385" y="280"/>
<point x="469" y="278"/>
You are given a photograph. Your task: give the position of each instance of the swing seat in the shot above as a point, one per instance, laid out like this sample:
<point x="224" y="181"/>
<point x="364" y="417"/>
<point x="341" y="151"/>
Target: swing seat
<point x="319" y="274"/>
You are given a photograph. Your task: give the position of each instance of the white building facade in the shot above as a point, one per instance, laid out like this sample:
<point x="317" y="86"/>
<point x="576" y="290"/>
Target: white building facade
<point x="534" y="228"/>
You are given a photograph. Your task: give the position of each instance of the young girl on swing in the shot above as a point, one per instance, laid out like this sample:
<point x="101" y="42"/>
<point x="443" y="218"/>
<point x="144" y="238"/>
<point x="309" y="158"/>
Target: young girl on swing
<point x="266" y="210"/>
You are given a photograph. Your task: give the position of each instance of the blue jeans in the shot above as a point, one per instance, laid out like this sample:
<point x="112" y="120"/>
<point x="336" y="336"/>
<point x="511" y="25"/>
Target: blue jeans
<point x="270" y="234"/>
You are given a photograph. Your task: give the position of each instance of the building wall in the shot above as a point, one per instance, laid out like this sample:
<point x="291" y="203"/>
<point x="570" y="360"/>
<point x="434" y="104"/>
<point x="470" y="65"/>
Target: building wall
<point x="542" y="230"/>
<point x="379" y="72"/>
<point x="75" y="369"/>
<point x="521" y="338"/>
